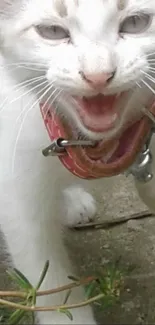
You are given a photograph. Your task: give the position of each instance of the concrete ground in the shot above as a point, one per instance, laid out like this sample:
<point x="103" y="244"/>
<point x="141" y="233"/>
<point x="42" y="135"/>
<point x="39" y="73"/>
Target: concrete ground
<point x="132" y="242"/>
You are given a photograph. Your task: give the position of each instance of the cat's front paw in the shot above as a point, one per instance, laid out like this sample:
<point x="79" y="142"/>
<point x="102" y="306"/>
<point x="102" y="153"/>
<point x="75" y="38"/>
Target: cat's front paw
<point x="80" y="206"/>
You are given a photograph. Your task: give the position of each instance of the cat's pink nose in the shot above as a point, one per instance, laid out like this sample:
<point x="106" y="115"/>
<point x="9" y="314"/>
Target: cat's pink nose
<point x="97" y="80"/>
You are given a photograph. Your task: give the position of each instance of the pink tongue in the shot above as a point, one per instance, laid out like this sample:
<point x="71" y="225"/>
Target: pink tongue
<point x="98" y="113"/>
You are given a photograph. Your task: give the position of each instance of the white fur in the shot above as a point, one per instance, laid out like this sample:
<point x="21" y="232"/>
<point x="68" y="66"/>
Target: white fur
<point x="30" y="184"/>
<point x="29" y="215"/>
<point x="79" y="206"/>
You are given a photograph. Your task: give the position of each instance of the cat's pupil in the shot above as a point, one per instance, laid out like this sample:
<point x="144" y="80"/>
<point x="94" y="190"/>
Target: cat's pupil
<point x="52" y="32"/>
<point x="54" y="28"/>
<point x="135" y="20"/>
<point x="135" y="24"/>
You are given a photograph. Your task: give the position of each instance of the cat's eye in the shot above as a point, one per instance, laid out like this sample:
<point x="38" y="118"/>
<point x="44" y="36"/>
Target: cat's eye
<point x="135" y="24"/>
<point x="52" y="32"/>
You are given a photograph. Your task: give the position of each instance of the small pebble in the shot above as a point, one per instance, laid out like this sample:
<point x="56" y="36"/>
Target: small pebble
<point x="106" y="246"/>
<point x="104" y="261"/>
<point x="128" y="305"/>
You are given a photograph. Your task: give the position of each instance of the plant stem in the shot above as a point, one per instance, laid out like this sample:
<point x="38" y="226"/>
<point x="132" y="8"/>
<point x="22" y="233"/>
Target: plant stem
<point x="52" y="308"/>
<point x="69" y="286"/>
<point x="18" y="294"/>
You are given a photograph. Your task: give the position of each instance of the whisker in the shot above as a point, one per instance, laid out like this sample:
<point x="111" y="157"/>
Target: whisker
<point x="22" y="63"/>
<point x="21" y="126"/>
<point x="148" y="114"/>
<point x="56" y="105"/>
<point x="148" y="76"/>
<point x="46" y="102"/>
<point x="150" y="68"/>
<point x="151" y="64"/>
<point x="151" y="60"/>
<point x="137" y="83"/>
<point x="147" y="55"/>
<point x="31" y="100"/>
<point x="148" y="86"/>
<point x="151" y="79"/>
<point x="37" y="95"/>
<point x="53" y="100"/>
<point x="152" y="73"/>
<point x="29" y="91"/>
<point x="26" y="68"/>
<point x="19" y="87"/>
<point x="31" y="69"/>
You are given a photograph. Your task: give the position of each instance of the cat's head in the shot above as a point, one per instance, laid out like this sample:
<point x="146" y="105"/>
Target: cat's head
<point x="85" y="48"/>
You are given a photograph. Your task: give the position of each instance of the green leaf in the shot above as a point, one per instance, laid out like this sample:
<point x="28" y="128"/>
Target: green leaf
<point x="19" y="278"/>
<point x="43" y="274"/>
<point x="67" y="313"/>
<point x="102" y="284"/>
<point x="5" y="313"/>
<point x="67" y="296"/>
<point x="90" y="289"/>
<point x="16" y="317"/>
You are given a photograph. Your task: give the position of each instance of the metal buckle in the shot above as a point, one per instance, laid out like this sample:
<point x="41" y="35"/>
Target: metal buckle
<point x="142" y="167"/>
<point x="58" y="146"/>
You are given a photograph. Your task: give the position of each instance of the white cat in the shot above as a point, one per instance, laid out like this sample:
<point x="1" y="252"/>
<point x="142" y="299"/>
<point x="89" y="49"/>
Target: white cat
<point x="79" y="48"/>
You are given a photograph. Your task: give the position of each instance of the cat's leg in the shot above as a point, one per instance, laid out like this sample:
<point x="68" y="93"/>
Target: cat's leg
<point x="28" y="215"/>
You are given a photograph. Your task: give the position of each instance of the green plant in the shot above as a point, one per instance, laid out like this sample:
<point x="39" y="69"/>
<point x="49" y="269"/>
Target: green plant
<point x="103" y="289"/>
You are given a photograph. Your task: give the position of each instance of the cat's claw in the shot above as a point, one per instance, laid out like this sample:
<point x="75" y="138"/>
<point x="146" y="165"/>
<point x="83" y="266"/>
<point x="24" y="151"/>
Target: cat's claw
<point x="80" y="206"/>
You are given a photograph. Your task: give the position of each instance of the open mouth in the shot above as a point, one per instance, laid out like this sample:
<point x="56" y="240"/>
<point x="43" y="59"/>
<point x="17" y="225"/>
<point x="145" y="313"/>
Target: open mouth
<point x="107" y="157"/>
<point x="99" y="113"/>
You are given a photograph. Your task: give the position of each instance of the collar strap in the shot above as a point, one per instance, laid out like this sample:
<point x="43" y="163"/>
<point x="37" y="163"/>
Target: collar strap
<point x="87" y="162"/>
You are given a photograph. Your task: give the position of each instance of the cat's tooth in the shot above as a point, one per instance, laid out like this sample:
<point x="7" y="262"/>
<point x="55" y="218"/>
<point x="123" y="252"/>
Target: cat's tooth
<point x="114" y="118"/>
